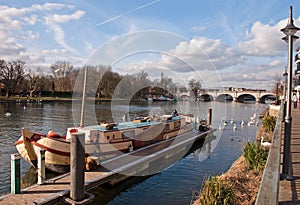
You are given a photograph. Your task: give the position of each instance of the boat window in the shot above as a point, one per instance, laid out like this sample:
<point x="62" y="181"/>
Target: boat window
<point x="107" y="137"/>
<point x="177" y="124"/>
<point x="167" y="127"/>
<point x="113" y="136"/>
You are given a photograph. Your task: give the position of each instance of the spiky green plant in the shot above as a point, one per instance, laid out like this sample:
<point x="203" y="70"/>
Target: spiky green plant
<point x="255" y="156"/>
<point x="216" y="192"/>
<point x="269" y="123"/>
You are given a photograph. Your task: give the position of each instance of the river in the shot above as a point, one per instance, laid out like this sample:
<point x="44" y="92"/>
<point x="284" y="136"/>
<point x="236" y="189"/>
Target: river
<point x="174" y="185"/>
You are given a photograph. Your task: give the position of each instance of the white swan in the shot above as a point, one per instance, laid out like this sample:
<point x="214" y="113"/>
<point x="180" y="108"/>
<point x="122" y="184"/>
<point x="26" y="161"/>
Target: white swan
<point x="234" y="127"/>
<point x="265" y="144"/>
<point x="7" y="114"/>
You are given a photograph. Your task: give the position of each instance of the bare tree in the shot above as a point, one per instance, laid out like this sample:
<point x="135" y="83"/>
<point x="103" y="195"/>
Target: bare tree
<point x="11" y="74"/>
<point x="64" y="75"/>
<point x="195" y="86"/>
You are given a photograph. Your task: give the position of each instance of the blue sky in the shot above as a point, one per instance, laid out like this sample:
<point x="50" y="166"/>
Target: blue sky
<point x="221" y="43"/>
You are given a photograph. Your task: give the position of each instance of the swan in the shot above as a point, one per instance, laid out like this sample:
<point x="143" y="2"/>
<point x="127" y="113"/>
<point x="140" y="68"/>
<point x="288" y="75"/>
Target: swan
<point x="7" y="114"/>
<point x="265" y="144"/>
<point x="234" y="127"/>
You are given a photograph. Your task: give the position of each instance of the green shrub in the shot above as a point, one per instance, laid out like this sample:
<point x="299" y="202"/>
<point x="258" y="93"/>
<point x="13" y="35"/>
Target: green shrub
<point x="216" y="192"/>
<point x="269" y="123"/>
<point x="255" y="156"/>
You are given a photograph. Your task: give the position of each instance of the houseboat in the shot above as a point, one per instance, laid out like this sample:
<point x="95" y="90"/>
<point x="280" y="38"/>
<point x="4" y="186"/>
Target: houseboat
<point x="102" y="141"/>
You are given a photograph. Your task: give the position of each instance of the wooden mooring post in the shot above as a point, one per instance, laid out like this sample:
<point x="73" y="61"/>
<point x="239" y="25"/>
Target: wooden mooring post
<point x="15" y="174"/>
<point x="77" y="168"/>
<point x="209" y="116"/>
<point x="41" y="167"/>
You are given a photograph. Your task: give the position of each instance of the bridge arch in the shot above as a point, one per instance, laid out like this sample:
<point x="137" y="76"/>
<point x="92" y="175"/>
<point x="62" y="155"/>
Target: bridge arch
<point x="271" y="97"/>
<point x="245" y="97"/>
<point x="224" y="97"/>
<point x="206" y="97"/>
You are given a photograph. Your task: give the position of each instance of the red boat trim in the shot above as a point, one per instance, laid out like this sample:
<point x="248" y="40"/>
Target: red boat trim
<point x="19" y="142"/>
<point x="51" y="150"/>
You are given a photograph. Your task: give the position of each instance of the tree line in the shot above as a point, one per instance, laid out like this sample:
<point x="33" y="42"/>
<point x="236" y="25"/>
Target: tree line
<point x="17" y="80"/>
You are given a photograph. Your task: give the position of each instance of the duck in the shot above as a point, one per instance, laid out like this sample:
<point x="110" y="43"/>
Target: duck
<point x="225" y="123"/>
<point x="264" y="144"/>
<point x="242" y="123"/>
<point x="231" y="121"/>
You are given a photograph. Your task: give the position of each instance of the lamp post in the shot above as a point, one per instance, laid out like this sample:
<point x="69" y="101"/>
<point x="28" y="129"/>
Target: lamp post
<point x="289" y="31"/>
<point x="284" y="92"/>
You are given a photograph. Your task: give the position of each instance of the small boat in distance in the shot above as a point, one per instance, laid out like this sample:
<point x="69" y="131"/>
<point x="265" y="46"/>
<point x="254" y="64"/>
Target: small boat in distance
<point x="102" y="141"/>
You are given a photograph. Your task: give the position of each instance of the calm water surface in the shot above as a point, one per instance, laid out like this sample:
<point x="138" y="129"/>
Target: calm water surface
<point x="174" y="185"/>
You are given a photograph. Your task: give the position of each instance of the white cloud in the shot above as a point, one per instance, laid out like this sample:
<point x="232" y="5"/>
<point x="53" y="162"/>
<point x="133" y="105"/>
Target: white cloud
<point x="54" y="52"/>
<point x="198" y="54"/>
<point x="30" y="20"/>
<point x="30" y="35"/>
<point x="51" y="6"/>
<point x="265" y="39"/>
<point x="20" y="27"/>
<point x="65" y="18"/>
<point x="53" y="22"/>
<point x="198" y="28"/>
<point x="275" y="63"/>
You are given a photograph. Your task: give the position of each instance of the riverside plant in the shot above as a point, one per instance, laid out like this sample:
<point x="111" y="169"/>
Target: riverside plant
<point x="216" y="192"/>
<point x="255" y="156"/>
<point x="269" y="123"/>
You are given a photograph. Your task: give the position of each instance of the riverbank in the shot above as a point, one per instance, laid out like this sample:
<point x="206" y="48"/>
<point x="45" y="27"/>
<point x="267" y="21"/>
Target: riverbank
<point x="240" y="182"/>
<point x="244" y="182"/>
<point x="50" y="99"/>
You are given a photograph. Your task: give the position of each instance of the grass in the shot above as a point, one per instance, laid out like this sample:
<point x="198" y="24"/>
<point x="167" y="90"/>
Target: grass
<point x="269" y="123"/>
<point x="240" y="184"/>
<point x="255" y="156"/>
<point x="216" y="192"/>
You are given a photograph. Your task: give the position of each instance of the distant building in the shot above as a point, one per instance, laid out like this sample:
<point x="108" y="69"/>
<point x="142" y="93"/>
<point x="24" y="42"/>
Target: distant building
<point x="297" y="72"/>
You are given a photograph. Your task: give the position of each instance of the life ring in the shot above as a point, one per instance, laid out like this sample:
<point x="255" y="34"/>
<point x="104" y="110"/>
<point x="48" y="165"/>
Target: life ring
<point x="52" y="134"/>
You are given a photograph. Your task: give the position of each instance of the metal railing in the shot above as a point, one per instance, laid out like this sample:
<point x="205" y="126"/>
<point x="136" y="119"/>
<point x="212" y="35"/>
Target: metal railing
<point x="269" y="186"/>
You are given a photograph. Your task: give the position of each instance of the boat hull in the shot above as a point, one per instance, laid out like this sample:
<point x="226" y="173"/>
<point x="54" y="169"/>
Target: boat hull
<point x="57" y="155"/>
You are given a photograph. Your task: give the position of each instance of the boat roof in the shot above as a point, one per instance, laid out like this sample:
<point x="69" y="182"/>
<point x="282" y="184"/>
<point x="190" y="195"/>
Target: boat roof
<point x="129" y="125"/>
<point x="123" y="126"/>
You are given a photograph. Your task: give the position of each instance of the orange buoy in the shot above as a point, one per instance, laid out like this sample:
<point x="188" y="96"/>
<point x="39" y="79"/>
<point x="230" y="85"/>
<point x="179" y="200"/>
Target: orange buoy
<point x="51" y="133"/>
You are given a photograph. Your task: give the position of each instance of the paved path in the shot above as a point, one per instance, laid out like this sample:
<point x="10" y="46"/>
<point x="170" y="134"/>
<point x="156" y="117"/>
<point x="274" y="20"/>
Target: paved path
<point x="289" y="191"/>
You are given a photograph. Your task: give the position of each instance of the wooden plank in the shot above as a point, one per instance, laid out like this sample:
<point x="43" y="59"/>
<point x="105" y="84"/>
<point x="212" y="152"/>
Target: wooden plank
<point x="289" y="191"/>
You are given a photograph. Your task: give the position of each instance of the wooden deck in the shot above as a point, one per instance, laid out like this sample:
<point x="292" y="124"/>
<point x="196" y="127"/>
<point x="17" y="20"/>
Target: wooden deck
<point x="289" y="191"/>
<point x="54" y="190"/>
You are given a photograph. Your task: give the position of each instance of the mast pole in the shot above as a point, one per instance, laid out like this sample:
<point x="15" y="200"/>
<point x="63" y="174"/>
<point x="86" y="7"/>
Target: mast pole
<point x="83" y="98"/>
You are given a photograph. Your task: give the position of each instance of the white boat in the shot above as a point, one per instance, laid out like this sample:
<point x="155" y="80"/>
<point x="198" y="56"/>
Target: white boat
<point x="101" y="141"/>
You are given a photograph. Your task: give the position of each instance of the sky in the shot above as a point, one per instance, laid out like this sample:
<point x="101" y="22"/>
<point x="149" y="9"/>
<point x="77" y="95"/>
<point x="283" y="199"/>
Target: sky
<point x="228" y="43"/>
